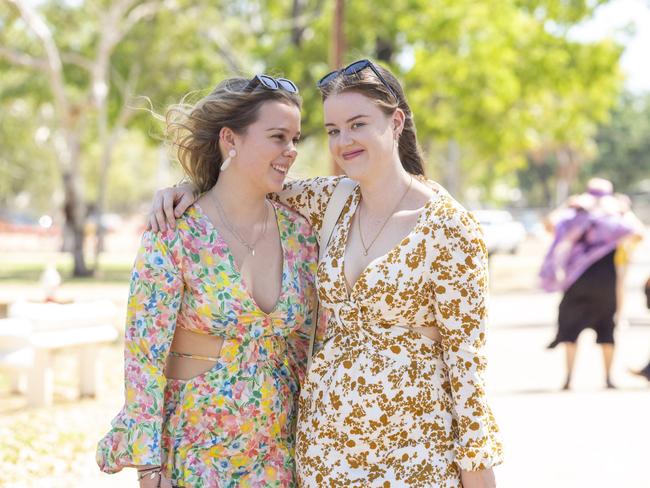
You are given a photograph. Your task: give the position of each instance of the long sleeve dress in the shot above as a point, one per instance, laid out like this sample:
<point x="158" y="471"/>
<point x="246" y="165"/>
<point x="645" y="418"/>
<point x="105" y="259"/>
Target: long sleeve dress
<point x="384" y="406"/>
<point x="234" y="425"/>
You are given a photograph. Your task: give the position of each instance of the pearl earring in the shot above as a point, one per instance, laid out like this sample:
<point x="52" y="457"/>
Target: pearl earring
<point x="231" y="154"/>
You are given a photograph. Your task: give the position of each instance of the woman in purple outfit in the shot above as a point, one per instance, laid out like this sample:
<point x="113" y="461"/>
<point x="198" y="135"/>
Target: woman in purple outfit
<point x="580" y="262"/>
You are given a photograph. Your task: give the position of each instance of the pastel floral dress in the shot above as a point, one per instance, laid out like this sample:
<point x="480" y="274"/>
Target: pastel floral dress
<point x="384" y="406"/>
<point x="233" y="426"/>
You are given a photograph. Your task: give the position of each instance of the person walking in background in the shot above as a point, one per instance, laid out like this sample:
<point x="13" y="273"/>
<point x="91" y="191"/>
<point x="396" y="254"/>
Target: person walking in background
<point x="645" y="372"/>
<point x="580" y="263"/>
<point x="220" y="307"/>
<point x="624" y="253"/>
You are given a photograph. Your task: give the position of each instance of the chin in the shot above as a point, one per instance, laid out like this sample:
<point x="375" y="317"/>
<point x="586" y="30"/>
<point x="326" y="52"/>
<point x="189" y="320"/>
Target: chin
<point x="354" y="171"/>
<point x="275" y="185"/>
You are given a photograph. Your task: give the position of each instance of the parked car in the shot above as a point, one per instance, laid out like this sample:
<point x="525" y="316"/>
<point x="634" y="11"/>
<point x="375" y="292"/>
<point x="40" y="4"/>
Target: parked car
<point x="501" y="232"/>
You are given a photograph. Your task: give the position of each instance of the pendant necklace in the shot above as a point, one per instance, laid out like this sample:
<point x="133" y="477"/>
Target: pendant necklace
<point x="233" y="231"/>
<point x="363" y="244"/>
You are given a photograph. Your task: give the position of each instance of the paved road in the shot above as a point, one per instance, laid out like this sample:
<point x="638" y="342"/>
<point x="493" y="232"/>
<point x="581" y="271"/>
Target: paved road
<point x="585" y="438"/>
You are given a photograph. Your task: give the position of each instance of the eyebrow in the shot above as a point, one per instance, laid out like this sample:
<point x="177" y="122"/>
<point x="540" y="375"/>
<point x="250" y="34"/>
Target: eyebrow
<point x="351" y="119"/>
<point x="281" y="129"/>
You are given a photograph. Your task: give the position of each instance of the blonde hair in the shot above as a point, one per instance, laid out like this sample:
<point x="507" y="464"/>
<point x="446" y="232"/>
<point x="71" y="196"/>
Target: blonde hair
<point x="193" y="130"/>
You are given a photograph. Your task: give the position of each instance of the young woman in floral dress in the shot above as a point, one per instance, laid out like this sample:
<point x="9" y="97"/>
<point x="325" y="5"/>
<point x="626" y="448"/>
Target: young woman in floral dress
<point x="220" y="306"/>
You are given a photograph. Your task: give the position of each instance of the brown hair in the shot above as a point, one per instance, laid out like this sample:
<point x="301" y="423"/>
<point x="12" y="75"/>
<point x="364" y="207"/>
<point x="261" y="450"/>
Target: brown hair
<point x="368" y="84"/>
<point x="194" y="129"/>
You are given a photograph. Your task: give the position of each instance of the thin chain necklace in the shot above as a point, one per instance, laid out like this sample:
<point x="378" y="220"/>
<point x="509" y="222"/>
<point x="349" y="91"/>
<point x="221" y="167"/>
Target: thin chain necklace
<point x="233" y="231"/>
<point x="363" y="244"/>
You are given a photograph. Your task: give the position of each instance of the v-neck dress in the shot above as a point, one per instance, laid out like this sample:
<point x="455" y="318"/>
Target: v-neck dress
<point x="234" y="425"/>
<point x="385" y="406"/>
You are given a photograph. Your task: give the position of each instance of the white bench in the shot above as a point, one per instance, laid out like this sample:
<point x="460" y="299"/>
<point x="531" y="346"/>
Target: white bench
<point x="34" y="332"/>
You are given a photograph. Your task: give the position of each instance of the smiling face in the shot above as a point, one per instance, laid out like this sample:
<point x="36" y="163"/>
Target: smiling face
<point x="361" y="136"/>
<point x="267" y="149"/>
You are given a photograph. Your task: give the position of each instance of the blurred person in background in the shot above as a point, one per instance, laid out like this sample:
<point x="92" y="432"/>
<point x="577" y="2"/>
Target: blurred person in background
<point x="581" y="263"/>
<point x="220" y="307"/>
<point x="395" y="396"/>
<point x="624" y="252"/>
<point x="645" y="372"/>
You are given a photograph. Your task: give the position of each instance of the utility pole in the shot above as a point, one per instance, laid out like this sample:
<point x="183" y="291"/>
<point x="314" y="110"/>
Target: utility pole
<point x="337" y="54"/>
<point x="338" y="35"/>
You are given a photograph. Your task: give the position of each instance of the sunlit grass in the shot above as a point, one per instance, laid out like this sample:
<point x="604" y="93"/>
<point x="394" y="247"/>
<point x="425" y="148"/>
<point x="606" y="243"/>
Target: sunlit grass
<point x="16" y="267"/>
<point x="55" y="446"/>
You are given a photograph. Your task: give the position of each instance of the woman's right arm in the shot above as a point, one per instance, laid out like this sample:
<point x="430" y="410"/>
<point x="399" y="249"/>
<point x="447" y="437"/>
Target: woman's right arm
<point x="308" y="197"/>
<point x="155" y="297"/>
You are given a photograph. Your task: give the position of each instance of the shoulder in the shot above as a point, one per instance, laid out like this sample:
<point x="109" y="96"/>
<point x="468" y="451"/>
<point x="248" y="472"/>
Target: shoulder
<point x="445" y="208"/>
<point x="452" y="220"/>
<point x="296" y="233"/>
<point x="190" y="227"/>
<point x="295" y="224"/>
<point x="312" y="185"/>
<point x="295" y="219"/>
<point x="312" y="193"/>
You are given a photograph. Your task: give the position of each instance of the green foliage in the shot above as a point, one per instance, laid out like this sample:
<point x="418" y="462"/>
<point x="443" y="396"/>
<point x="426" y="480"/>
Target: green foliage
<point x="624" y="145"/>
<point x="27" y="165"/>
<point x="499" y="78"/>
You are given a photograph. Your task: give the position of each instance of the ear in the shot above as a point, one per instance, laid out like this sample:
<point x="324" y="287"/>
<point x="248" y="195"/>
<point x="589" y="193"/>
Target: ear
<point x="227" y="138"/>
<point x="398" y="121"/>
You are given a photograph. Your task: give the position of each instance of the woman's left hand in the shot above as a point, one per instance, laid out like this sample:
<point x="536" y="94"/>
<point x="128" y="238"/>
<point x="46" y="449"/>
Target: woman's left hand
<point x="478" y="479"/>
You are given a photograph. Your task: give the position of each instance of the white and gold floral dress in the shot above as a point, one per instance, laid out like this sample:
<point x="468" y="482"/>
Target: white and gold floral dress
<point x="385" y="406"/>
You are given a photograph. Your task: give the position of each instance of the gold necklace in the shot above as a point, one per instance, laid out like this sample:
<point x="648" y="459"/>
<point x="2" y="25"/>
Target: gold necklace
<point x="233" y="231"/>
<point x="363" y="244"/>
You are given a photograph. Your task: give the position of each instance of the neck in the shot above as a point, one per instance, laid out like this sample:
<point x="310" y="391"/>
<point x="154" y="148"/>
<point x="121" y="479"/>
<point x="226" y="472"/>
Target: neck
<point x="373" y="190"/>
<point x="243" y="202"/>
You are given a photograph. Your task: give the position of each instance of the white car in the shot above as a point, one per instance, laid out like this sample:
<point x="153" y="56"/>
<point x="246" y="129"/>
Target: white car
<point x="501" y="232"/>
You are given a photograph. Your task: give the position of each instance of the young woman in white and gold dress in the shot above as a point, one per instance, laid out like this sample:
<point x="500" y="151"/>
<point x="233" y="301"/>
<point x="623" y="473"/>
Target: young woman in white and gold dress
<point x="395" y="395"/>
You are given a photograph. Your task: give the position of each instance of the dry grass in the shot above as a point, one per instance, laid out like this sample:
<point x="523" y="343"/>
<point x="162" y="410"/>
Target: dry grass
<point x="55" y="446"/>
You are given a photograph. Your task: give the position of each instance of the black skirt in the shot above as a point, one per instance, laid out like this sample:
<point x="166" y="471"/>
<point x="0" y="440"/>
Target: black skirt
<point x="590" y="302"/>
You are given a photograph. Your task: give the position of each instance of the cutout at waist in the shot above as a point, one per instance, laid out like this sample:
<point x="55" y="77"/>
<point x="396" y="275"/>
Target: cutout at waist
<point x="188" y="342"/>
<point x="431" y="333"/>
<point x="192" y="354"/>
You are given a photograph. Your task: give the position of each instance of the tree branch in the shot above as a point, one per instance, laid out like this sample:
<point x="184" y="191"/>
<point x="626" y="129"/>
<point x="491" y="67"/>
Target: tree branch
<point x="141" y="12"/>
<point x="54" y="65"/>
<point x="22" y="59"/>
<point x="77" y="59"/>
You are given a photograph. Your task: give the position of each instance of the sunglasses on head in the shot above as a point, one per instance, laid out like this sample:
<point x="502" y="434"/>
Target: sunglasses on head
<point x="271" y="83"/>
<point x="353" y="69"/>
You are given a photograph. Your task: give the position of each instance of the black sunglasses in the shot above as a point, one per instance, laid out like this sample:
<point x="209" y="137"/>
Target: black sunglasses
<point x="353" y="69"/>
<point x="271" y="83"/>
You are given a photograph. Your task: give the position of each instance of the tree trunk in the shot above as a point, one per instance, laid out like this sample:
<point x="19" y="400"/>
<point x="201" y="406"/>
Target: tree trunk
<point x="567" y="171"/>
<point x="338" y="53"/>
<point x="107" y="154"/>
<point x="298" y="28"/>
<point x="74" y="210"/>
<point x="74" y="207"/>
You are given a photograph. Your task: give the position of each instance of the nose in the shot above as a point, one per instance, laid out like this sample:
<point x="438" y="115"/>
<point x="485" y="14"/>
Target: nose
<point x="345" y="138"/>
<point x="291" y="151"/>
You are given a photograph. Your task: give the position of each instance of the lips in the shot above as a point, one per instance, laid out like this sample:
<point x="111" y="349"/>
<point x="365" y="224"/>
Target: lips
<point x="351" y="154"/>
